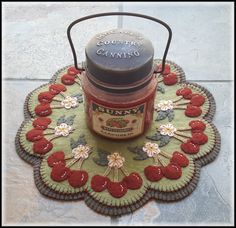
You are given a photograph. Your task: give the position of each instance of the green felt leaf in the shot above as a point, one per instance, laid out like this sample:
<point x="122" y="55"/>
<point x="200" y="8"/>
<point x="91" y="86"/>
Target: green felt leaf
<point x="79" y="97"/>
<point x="70" y="120"/>
<point x="161" y="115"/>
<point x="102" y="159"/>
<point x="61" y="120"/>
<point x="81" y="141"/>
<point x="165" y="139"/>
<point x="171" y="115"/>
<point x="141" y="155"/>
<point x="157" y="136"/>
<point x="160" y="89"/>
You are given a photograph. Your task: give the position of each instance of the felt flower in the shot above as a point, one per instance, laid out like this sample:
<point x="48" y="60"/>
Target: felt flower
<point x="167" y="129"/>
<point x="115" y="160"/>
<point x="151" y="149"/>
<point x="69" y="102"/>
<point x="63" y="129"/>
<point x="165" y="105"/>
<point x="81" y="151"/>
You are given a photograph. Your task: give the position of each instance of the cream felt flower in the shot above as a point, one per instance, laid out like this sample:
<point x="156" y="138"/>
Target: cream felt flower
<point x="152" y="149"/>
<point x="81" y="151"/>
<point x="115" y="160"/>
<point x="63" y="129"/>
<point x="165" y="105"/>
<point x="69" y="102"/>
<point x="167" y="129"/>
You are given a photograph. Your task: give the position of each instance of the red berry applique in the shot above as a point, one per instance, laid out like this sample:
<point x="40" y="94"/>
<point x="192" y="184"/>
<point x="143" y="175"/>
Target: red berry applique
<point x="73" y="71"/>
<point x="99" y="183"/>
<point x="170" y="79"/>
<point x="172" y="171"/>
<point x="179" y="159"/>
<point x="161" y="168"/>
<point x="190" y="148"/>
<point x="45" y="97"/>
<point x="184" y="92"/>
<point x="60" y="172"/>
<point x="153" y="173"/>
<point x="133" y="181"/>
<point x="193" y="111"/>
<point x="43" y="110"/>
<point x="41" y="123"/>
<point x="56" y="88"/>
<point x="56" y="158"/>
<point x="197" y="100"/>
<point x="197" y="126"/>
<point x="199" y="138"/>
<point x="68" y="79"/>
<point x="117" y="188"/>
<point x="42" y="146"/>
<point x="78" y="178"/>
<point x="34" y="135"/>
<point x="166" y="70"/>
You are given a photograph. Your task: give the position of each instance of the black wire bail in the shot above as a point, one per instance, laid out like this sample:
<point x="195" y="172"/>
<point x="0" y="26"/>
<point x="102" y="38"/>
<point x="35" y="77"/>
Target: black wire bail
<point x="123" y="14"/>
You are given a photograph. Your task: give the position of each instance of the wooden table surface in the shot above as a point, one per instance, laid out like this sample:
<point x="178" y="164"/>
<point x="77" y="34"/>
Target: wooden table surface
<point x="35" y="46"/>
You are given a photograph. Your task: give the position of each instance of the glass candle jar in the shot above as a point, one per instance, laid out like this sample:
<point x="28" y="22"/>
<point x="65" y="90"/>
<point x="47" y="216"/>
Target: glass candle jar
<point x="119" y="84"/>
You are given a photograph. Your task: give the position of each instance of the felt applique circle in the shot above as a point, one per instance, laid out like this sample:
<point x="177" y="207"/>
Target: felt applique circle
<point x="118" y="177"/>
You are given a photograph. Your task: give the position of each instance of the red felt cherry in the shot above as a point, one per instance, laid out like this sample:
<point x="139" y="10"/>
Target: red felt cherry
<point x="197" y="100"/>
<point x="197" y="126"/>
<point x="166" y="70"/>
<point x="45" y="97"/>
<point x="99" y="183"/>
<point x="193" y="111"/>
<point x="78" y="178"/>
<point x="41" y="123"/>
<point x="189" y="96"/>
<point x="179" y="159"/>
<point x="42" y="146"/>
<point x="189" y="147"/>
<point x="172" y="171"/>
<point x="153" y="173"/>
<point x="133" y="181"/>
<point x="184" y="92"/>
<point x="34" y="135"/>
<point x="56" y="158"/>
<point x="117" y="189"/>
<point x="43" y="110"/>
<point x="170" y="79"/>
<point x="73" y="71"/>
<point x="199" y="138"/>
<point x="56" y="88"/>
<point x="60" y="172"/>
<point x="68" y="79"/>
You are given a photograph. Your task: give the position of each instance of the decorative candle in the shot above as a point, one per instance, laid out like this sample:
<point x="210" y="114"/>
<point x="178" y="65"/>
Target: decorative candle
<point x="119" y="84"/>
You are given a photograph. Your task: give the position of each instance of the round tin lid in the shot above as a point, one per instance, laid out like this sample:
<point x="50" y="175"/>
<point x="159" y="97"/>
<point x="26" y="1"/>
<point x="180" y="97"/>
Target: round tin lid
<point x="119" y="57"/>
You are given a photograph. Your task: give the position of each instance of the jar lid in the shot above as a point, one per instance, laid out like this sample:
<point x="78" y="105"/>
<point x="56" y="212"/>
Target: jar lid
<point x="119" y="58"/>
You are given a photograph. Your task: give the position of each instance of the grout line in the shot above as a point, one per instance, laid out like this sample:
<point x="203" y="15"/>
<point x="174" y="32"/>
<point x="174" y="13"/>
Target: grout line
<point x="45" y="79"/>
<point x="209" y="80"/>
<point x="120" y="18"/>
<point x="27" y="79"/>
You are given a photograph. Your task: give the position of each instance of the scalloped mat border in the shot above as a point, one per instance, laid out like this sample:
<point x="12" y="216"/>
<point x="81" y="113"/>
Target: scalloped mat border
<point x="150" y="194"/>
<point x="115" y="210"/>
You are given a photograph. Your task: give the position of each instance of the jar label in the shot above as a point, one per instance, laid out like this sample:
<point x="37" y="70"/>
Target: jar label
<point x="118" y="123"/>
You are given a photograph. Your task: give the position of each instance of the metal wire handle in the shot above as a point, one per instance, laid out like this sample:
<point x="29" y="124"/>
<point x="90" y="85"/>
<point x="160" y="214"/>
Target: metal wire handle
<point x="124" y="14"/>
